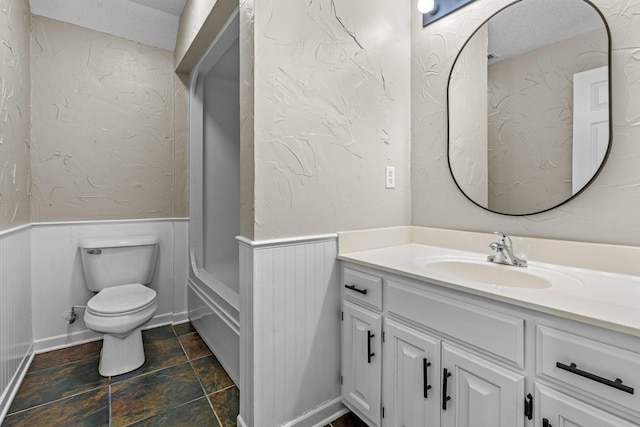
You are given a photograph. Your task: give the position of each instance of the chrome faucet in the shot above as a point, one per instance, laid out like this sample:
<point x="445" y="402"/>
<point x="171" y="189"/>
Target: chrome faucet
<point x="504" y="252"/>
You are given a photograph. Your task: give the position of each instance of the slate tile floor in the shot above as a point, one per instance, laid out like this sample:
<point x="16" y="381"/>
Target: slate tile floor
<point x="181" y="384"/>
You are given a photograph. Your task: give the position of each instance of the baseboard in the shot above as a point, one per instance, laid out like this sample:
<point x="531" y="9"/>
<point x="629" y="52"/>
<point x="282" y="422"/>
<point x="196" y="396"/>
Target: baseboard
<point x="67" y="340"/>
<point x="10" y="392"/>
<point x="180" y="317"/>
<point x="87" y="335"/>
<point x="241" y="422"/>
<point x="320" y="416"/>
<point x="159" y="320"/>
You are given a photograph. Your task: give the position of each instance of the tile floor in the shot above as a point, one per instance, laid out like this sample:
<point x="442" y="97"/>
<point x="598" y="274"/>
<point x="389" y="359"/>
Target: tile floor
<point x="181" y="384"/>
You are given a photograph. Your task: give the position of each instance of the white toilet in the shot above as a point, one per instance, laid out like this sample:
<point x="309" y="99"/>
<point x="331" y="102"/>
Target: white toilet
<point x="118" y="270"/>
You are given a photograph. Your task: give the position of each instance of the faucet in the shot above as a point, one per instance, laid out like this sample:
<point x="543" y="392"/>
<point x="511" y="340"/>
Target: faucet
<point x="504" y="252"/>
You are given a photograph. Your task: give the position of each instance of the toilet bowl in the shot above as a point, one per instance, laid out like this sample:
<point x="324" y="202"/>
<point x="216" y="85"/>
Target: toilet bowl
<point x="117" y="270"/>
<point x="119" y="312"/>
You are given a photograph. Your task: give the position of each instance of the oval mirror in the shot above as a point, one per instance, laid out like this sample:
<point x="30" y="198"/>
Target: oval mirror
<point x="528" y="105"/>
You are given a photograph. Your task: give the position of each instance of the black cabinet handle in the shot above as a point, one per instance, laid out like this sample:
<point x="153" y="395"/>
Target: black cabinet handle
<point x="353" y="288"/>
<point x="445" y="376"/>
<point x="546" y="423"/>
<point x="615" y="384"/>
<point x="425" y="377"/>
<point x="369" y="354"/>
<point x="528" y="406"/>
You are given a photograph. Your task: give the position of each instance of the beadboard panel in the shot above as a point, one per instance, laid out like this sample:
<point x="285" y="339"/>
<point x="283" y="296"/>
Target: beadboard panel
<point x="290" y="329"/>
<point x="246" y="335"/>
<point x="15" y="309"/>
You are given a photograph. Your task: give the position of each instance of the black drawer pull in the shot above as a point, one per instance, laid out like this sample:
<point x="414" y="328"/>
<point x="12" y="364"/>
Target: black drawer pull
<point x="545" y="423"/>
<point x="528" y="406"/>
<point x="615" y="384"/>
<point x="425" y="377"/>
<point x="445" y="376"/>
<point x="369" y="354"/>
<point x="353" y="288"/>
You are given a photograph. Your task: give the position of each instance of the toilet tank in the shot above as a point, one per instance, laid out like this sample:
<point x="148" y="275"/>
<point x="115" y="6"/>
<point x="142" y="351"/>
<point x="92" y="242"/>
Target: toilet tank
<point x="118" y="261"/>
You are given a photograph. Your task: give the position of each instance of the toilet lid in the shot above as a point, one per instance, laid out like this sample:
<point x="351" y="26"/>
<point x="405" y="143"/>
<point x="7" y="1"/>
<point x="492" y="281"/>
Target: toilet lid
<point x="122" y="299"/>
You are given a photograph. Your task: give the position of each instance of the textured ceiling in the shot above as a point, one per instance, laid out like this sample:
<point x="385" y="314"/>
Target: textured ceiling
<point x="152" y="22"/>
<point x="528" y="25"/>
<point x="172" y="7"/>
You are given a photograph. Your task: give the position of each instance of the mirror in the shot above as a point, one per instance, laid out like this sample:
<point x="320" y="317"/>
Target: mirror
<point x="528" y="105"/>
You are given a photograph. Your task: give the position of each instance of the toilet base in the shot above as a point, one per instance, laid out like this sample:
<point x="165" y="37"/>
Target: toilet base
<point x="121" y="355"/>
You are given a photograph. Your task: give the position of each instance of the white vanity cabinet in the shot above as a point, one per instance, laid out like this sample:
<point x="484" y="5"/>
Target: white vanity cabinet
<point x="362" y="344"/>
<point x="419" y="354"/>
<point x="426" y="379"/>
<point x="556" y="409"/>
<point x="427" y="382"/>
<point x="411" y="376"/>
<point x="361" y="360"/>
<point x="480" y="393"/>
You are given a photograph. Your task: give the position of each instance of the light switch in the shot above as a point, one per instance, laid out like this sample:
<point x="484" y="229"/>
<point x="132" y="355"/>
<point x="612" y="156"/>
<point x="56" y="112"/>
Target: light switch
<point x="390" y="176"/>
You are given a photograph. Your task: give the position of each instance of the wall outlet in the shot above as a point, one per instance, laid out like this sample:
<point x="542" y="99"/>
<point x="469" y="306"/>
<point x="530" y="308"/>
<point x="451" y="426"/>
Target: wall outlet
<point x="390" y="177"/>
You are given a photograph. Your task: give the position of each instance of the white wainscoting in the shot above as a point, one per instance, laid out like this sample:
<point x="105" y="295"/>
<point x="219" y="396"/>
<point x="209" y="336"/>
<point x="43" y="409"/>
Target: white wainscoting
<point x="289" y="332"/>
<point x="15" y="312"/>
<point x="57" y="279"/>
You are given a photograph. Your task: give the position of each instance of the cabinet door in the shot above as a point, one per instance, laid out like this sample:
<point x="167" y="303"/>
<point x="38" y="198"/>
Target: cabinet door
<point x="361" y="361"/>
<point x="411" y="377"/>
<point x="480" y="393"/>
<point x="561" y="410"/>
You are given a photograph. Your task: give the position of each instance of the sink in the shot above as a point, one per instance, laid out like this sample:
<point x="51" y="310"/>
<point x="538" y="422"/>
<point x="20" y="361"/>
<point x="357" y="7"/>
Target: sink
<point x="488" y="273"/>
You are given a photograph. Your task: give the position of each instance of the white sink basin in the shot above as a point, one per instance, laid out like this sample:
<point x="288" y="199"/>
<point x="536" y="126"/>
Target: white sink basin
<point x="490" y="273"/>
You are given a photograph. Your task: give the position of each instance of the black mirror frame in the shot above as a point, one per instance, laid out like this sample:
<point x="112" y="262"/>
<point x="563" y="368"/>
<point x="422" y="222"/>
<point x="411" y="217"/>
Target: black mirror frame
<point x="606" y="156"/>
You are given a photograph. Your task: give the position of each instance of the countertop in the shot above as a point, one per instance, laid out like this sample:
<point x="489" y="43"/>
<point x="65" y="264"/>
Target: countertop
<point x="607" y="299"/>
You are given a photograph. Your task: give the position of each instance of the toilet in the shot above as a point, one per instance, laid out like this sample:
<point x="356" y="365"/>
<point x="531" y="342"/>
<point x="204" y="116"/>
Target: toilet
<point x="119" y="269"/>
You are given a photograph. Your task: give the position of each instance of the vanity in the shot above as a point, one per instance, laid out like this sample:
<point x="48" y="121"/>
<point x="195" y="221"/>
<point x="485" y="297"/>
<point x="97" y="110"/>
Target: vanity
<point x="434" y="334"/>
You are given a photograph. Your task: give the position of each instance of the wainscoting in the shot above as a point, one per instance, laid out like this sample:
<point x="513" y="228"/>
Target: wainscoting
<point x="58" y="283"/>
<point x="41" y="278"/>
<point x="16" y="339"/>
<point x="289" y="332"/>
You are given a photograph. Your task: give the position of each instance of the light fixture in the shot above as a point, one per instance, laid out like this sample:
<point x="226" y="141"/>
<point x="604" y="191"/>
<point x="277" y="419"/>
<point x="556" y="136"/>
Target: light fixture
<point x="427" y="6"/>
<point x="432" y="10"/>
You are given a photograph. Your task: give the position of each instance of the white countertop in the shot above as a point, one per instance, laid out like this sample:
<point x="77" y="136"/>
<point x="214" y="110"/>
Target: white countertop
<point x="606" y="299"/>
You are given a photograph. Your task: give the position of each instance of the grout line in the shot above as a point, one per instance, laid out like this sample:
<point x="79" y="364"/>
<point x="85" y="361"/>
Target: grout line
<point x="183" y="350"/>
<point x="148" y="373"/>
<point x="54" y="401"/>
<point x="197" y="378"/>
<point x="110" y="416"/>
<point x="64" y="364"/>
<point x="215" y="414"/>
<point x="223" y="389"/>
<point x="163" y="411"/>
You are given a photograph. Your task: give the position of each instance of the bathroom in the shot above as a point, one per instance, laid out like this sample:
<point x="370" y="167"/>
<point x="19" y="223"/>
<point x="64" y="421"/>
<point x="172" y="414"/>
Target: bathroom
<point x="332" y="92"/>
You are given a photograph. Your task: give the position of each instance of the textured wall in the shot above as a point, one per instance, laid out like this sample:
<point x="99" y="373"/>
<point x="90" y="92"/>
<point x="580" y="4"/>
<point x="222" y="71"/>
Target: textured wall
<point x="247" y="119"/>
<point x="14" y="113"/>
<point x="332" y="108"/>
<point x="468" y="154"/>
<point x="193" y="16"/>
<point x="530" y="143"/>
<point x="103" y="135"/>
<point x="200" y="23"/>
<point x="181" y="138"/>
<point x="605" y="212"/>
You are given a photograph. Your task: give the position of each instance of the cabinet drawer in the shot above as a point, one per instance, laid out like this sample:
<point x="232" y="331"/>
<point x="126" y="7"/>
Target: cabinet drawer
<point x="562" y="410"/>
<point x="494" y="332"/>
<point x="600" y="369"/>
<point x="362" y="287"/>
